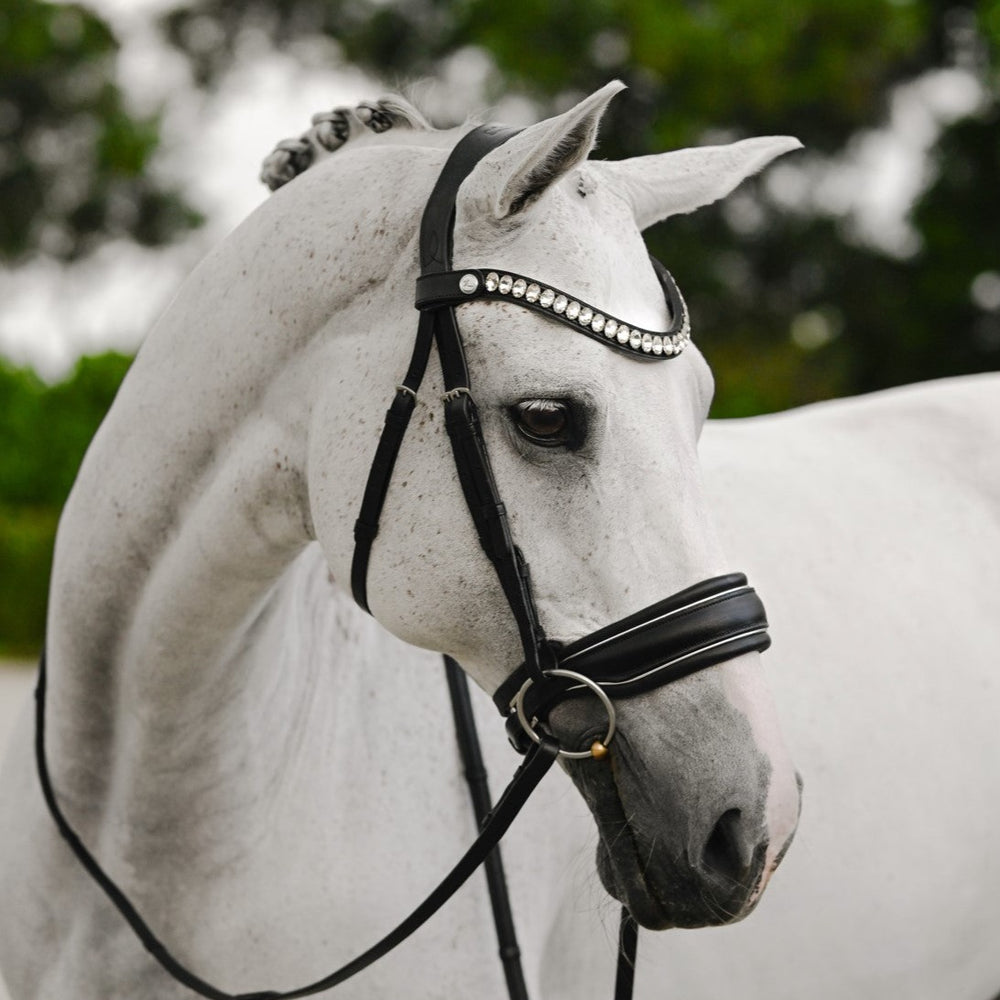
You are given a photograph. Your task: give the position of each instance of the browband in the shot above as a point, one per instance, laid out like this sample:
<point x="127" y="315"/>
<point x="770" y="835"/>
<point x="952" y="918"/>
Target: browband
<point x="452" y="288"/>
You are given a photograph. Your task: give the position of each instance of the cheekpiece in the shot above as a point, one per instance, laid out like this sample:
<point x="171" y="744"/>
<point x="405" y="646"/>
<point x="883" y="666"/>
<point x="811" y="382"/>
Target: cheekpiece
<point x="452" y="288"/>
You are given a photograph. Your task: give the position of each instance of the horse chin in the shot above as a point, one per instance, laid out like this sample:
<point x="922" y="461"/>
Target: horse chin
<point x="657" y="907"/>
<point x="662" y="888"/>
<point x="632" y="891"/>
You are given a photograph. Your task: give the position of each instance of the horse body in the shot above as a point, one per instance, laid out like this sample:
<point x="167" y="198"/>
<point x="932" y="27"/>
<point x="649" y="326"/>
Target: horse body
<point x="268" y="773"/>
<point x="883" y="524"/>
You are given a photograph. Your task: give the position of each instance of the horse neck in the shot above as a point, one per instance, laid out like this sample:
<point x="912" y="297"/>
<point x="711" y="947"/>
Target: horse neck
<point x="192" y="500"/>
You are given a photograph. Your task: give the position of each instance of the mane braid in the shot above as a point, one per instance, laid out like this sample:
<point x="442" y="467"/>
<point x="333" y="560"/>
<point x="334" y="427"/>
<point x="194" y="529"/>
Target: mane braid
<point x="331" y="129"/>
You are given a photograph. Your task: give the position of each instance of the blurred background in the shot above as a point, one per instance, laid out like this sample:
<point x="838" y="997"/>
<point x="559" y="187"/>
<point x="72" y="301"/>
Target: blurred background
<point x="131" y="133"/>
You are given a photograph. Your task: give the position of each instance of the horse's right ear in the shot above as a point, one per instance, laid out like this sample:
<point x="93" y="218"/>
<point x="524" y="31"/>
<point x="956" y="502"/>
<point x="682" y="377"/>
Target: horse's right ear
<point x="523" y="168"/>
<point x="668" y="184"/>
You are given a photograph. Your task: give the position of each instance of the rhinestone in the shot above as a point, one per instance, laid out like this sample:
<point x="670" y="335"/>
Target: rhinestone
<point x="647" y="343"/>
<point x="492" y="280"/>
<point x="531" y="295"/>
<point x="610" y="328"/>
<point x="586" y="315"/>
<point x="623" y="333"/>
<point x="546" y="298"/>
<point x="468" y="283"/>
<point x="635" y="341"/>
<point x="597" y="323"/>
<point x="573" y="310"/>
<point x="668" y="346"/>
<point x="519" y="288"/>
<point x="560" y="303"/>
<point x="657" y="345"/>
<point x="506" y="284"/>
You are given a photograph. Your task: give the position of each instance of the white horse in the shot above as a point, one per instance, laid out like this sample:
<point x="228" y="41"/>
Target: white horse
<point x="269" y="773"/>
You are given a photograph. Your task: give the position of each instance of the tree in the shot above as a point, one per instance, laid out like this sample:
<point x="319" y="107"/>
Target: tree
<point x="73" y="159"/>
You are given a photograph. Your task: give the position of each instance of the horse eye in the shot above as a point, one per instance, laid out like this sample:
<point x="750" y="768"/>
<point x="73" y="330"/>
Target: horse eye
<point x="545" y="422"/>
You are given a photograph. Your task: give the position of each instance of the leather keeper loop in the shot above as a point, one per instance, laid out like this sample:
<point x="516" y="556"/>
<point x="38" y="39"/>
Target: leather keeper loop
<point x="442" y="289"/>
<point x="400" y="410"/>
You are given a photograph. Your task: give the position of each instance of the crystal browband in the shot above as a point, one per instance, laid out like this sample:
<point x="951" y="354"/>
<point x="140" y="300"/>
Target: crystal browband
<point x="452" y="288"/>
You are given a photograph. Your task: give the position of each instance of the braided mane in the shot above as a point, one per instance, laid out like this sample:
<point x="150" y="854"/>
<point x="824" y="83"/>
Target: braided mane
<point x="332" y="129"/>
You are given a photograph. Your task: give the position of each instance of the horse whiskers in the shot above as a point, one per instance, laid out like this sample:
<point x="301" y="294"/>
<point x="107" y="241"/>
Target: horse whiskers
<point x="613" y="842"/>
<point x="716" y="908"/>
<point x="744" y="887"/>
<point x="649" y="857"/>
<point x="625" y="828"/>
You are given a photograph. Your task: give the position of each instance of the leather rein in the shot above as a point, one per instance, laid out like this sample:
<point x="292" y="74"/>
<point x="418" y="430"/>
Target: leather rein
<point x="689" y="631"/>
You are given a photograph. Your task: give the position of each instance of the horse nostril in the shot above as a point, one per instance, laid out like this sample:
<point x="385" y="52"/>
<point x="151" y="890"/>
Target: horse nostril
<point x="726" y="851"/>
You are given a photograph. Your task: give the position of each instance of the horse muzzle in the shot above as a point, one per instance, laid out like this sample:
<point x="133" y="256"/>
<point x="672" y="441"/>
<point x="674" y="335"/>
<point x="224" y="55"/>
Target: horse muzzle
<point x="671" y="866"/>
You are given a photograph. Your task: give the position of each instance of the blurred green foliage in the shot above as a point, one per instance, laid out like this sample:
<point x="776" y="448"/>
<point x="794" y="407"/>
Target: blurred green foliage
<point x="73" y="158"/>
<point x="45" y="431"/>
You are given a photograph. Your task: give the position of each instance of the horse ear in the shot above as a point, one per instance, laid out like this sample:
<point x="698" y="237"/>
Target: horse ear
<point x="523" y="168"/>
<point x="678" y="182"/>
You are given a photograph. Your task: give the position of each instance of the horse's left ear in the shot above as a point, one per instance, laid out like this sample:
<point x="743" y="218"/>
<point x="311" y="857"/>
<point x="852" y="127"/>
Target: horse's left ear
<point x="524" y="167"/>
<point x="678" y="182"/>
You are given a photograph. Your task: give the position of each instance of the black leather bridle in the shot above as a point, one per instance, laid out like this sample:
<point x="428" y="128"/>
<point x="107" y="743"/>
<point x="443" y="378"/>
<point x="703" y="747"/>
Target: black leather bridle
<point x="701" y="626"/>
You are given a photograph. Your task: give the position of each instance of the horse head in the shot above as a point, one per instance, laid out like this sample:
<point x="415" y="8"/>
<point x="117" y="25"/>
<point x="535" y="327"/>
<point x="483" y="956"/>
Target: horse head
<point x="596" y="456"/>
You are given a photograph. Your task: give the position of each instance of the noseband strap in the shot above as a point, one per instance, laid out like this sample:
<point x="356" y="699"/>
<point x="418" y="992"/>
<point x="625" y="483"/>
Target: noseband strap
<point x="701" y="626"/>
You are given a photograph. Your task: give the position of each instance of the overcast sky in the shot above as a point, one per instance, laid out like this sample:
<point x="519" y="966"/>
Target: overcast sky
<point x="213" y="145"/>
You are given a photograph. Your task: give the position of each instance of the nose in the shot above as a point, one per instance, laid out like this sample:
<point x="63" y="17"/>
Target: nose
<point x="732" y="859"/>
